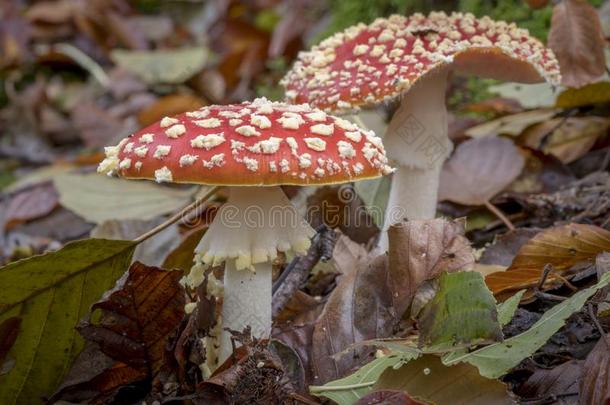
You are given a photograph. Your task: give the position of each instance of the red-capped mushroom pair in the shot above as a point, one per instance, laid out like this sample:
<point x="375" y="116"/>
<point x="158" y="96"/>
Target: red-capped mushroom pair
<point x="256" y="146"/>
<point x="410" y="58"/>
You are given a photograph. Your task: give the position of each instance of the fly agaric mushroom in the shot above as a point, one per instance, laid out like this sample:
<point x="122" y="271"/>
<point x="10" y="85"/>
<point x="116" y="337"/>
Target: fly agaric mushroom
<point x="253" y="147"/>
<point x="411" y="57"/>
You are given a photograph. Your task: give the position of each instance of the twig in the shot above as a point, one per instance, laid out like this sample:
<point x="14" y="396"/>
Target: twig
<point x="496" y="211"/>
<point x="598" y="325"/>
<point x="538" y="289"/>
<point x="295" y="274"/>
<point x="177" y="216"/>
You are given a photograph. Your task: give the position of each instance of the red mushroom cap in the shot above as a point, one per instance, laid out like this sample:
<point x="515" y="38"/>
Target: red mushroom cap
<point x="254" y="143"/>
<point x="365" y="65"/>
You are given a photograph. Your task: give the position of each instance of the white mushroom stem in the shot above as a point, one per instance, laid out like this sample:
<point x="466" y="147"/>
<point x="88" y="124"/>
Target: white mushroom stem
<point x="417" y="141"/>
<point x="246" y="234"/>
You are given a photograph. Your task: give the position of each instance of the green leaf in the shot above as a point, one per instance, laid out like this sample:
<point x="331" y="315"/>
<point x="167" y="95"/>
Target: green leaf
<point x="348" y="390"/>
<point x="51" y="293"/>
<point x="172" y="66"/>
<point x="99" y="198"/>
<point x="374" y="194"/>
<point x="506" y="309"/>
<point x="497" y="359"/>
<point x="462" y="313"/>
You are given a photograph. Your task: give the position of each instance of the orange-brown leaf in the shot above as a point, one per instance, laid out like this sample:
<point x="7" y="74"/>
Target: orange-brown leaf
<point x="577" y="38"/>
<point x="561" y="247"/>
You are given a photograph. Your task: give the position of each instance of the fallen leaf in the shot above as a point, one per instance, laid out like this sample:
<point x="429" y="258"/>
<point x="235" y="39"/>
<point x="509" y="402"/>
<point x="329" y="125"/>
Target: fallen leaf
<point x="595" y="380"/>
<point x="31" y="203"/>
<point x="99" y="198"/>
<point x="506" y="309"/>
<point x="513" y="124"/>
<point x="498" y="106"/>
<point x="542" y="174"/>
<point x="61" y="225"/>
<point x="96" y="378"/>
<point x="479" y="169"/>
<point x="558" y="380"/>
<point x="137" y="316"/>
<point x="577" y="39"/>
<point x="51" y="293"/>
<point x="497" y="359"/>
<point x="428" y="379"/>
<point x="97" y="127"/>
<point x="595" y="93"/>
<point x="420" y="250"/>
<point x="374" y="194"/>
<point x="536" y="4"/>
<point x="561" y="247"/>
<point x="162" y="66"/>
<point x="540" y="95"/>
<point x="350" y="389"/>
<point x="168" y="106"/>
<point x="388" y="397"/>
<point x="567" y="139"/>
<point x="462" y="313"/>
<point x="506" y="246"/>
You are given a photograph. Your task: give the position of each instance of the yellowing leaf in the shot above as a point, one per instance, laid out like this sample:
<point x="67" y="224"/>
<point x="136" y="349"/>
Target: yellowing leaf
<point x="51" y="293"/>
<point x="167" y="66"/>
<point x="538" y="95"/>
<point x="98" y="198"/>
<point x="577" y="39"/>
<point x="562" y="247"/>
<point x="595" y="93"/>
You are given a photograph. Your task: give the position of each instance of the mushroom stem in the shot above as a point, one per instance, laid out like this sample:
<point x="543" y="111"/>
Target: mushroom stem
<point x="246" y="234"/>
<point x="418" y="142"/>
<point x="246" y="302"/>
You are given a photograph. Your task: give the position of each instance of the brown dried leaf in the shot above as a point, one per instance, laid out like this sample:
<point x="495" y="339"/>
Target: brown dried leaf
<point x="31" y="203"/>
<point x="479" y="169"/>
<point x="536" y="4"/>
<point x="595" y="382"/>
<point x="561" y="247"/>
<point x="96" y="126"/>
<point x="558" y="380"/>
<point x="567" y="139"/>
<point x="183" y="255"/>
<point x="138" y="315"/>
<point x="577" y="38"/>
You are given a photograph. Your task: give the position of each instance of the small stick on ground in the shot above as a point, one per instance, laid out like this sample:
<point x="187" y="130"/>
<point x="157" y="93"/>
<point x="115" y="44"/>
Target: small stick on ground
<point x="295" y="274"/>
<point x="538" y="289"/>
<point x="496" y="211"/>
<point x="598" y="325"/>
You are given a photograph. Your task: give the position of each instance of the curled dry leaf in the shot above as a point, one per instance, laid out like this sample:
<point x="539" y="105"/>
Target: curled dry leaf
<point x="479" y="169"/>
<point x="594" y="93"/>
<point x="595" y="382"/>
<point x="169" y="106"/>
<point x="561" y="247"/>
<point x="577" y="39"/>
<point x="567" y="139"/>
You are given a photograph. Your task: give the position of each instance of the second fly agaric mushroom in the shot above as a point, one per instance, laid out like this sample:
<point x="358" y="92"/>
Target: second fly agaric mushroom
<point x="253" y="147"/>
<point x="412" y="57"/>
